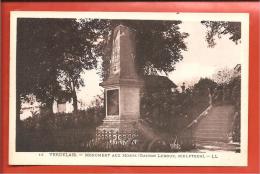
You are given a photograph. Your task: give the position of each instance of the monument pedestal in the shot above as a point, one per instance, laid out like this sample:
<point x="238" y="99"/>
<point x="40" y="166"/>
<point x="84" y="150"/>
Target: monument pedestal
<point x="117" y="125"/>
<point x="122" y="109"/>
<point x="123" y="86"/>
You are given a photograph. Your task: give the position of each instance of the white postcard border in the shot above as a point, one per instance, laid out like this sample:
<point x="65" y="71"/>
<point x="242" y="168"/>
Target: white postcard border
<point x="126" y="158"/>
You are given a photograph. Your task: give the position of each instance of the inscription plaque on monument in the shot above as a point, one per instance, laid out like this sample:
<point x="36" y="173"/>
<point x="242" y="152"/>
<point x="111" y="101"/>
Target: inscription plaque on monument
<point x="115" y="58"/>
<point x="112" y="102"/>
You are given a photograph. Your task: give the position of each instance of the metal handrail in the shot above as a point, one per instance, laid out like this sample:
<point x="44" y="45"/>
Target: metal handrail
<point x="203" y="114"/>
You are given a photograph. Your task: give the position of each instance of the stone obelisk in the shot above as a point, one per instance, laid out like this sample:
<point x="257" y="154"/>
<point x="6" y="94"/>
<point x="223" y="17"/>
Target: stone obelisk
<point x="123" y="85"/>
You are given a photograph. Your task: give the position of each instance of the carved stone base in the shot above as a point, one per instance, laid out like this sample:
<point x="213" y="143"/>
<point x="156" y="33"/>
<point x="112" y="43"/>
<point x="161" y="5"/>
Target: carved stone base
<point x="117" y="125"/>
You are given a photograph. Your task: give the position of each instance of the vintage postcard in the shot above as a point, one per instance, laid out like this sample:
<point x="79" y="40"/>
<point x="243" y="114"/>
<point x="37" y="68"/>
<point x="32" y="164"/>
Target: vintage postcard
<point x="128" y="88"/>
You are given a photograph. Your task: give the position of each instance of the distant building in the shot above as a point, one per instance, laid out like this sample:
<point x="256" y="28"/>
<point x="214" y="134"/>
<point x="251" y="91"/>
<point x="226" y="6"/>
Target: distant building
<point x="30" y="107"/>
<point x="63" y="104"/>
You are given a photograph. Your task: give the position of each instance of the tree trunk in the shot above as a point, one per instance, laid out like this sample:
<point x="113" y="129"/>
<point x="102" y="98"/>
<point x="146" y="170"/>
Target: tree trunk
<point x="48" y="108"/>
<point x="18" y="109"/>
<point x="18" y="124"/>
<point x="75" y="99"/>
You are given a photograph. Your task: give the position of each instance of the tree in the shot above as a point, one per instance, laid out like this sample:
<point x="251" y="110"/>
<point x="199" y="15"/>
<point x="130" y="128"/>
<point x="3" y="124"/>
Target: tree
<point x="36" y="71"/>
<point x="223" y="76"/>
<point x="235" y="86"/>
<point x="159" y="45"/>
<point x="203" y="85"/>
<point x="220" y="28"/>
<point x="51" y="54"/>
<point x="200" y="95"/>
<point x="92" y="44"/>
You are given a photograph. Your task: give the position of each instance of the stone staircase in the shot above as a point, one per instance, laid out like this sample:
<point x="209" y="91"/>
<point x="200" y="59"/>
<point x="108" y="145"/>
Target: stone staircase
<point x="212" y="131"/>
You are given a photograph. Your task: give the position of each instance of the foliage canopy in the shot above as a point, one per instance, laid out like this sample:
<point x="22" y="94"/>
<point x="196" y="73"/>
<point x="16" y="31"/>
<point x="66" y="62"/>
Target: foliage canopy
<point x="220" y="28"/>
<point x="159" y="45"/>
<point x="51" y="54"/>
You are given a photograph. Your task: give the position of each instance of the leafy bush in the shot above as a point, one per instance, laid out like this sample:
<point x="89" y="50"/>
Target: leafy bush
<point x="59" y="132"/>
<point x="166" y="110"/>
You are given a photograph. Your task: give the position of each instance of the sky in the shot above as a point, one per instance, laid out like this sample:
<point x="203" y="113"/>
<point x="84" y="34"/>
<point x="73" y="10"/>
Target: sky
<point x="201" y="61"/>
<point x="198" y="61"/>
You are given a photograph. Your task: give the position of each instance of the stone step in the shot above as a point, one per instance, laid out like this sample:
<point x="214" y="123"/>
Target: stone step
<point x="218" y="148"/>
<point x="218" y="114"/>
<point x="211" y="129"/>
<point x="201" y="134"/>
<point x="217" y="119"/>
<point x="210" y="138"/>
<point x="209" y="133"/>
<point x="215" y="145"/>
<point x="213" y="121"/>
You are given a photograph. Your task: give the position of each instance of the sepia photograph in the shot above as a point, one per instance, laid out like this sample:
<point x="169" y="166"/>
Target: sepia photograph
<point x="125" y="87"/>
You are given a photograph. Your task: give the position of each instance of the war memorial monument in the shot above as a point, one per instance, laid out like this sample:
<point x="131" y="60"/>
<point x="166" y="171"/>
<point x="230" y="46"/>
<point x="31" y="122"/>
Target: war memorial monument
<point x="123" y="86"/>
